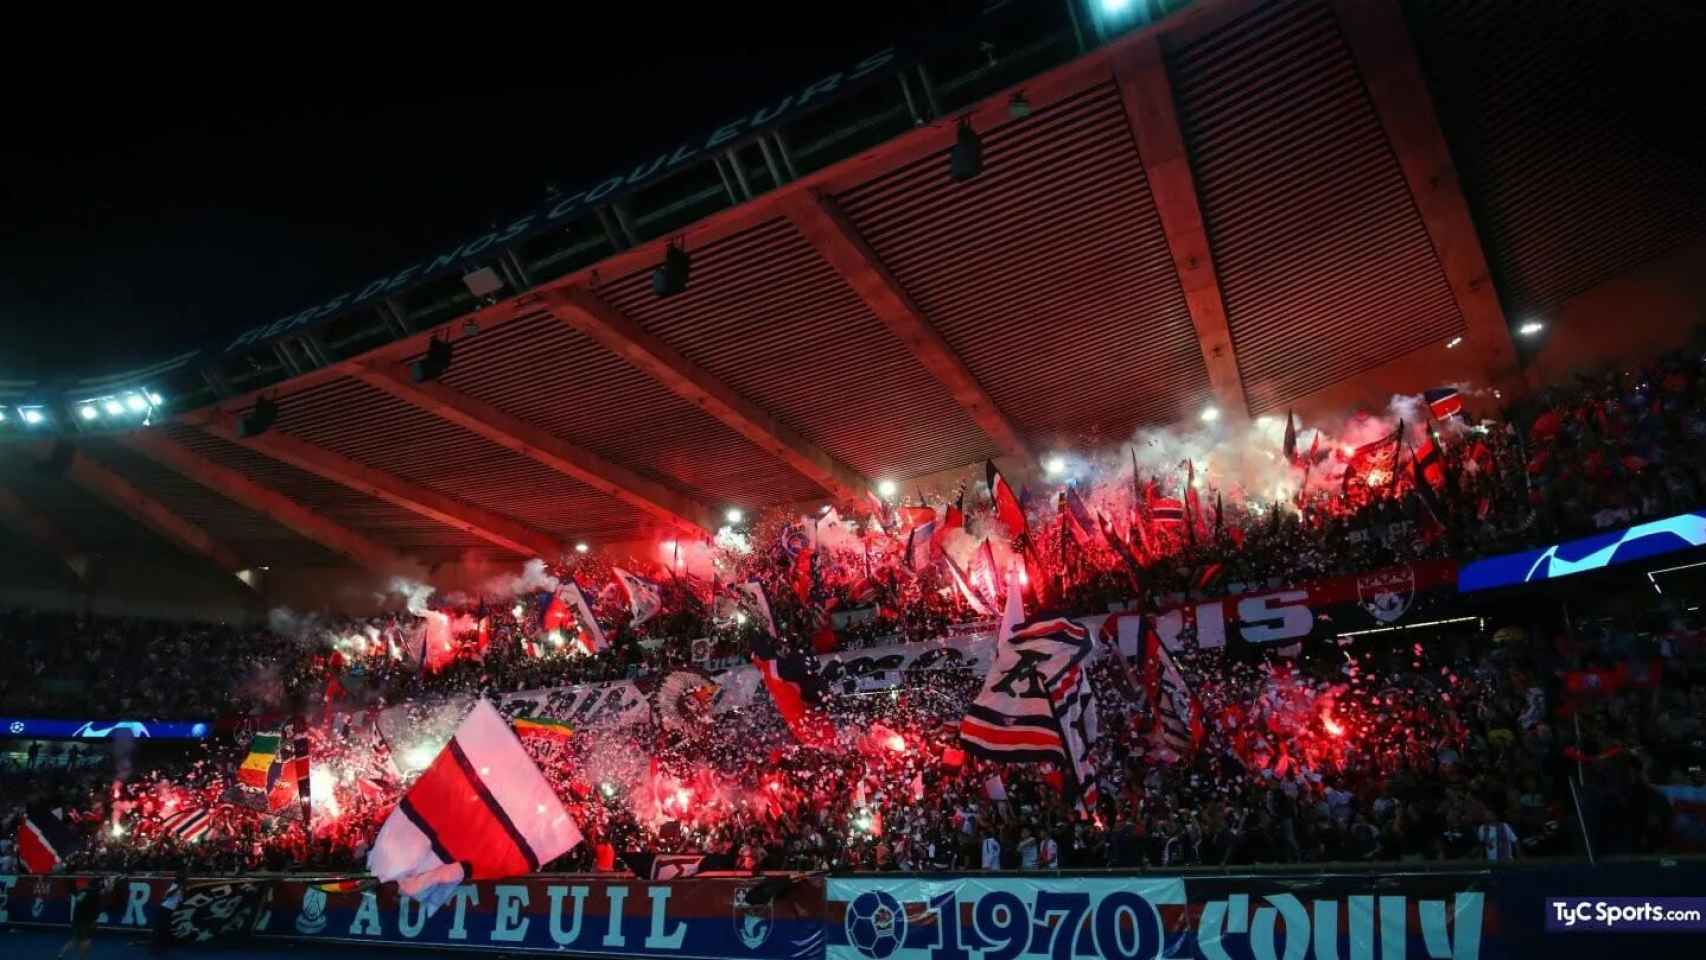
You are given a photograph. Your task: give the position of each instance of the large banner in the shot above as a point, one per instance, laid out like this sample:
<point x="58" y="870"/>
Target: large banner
<point x="779" y="918"/>
<point x="1274" y="916"/>
<point x="1282" y="617"/>
<point x="1539" y="911"/>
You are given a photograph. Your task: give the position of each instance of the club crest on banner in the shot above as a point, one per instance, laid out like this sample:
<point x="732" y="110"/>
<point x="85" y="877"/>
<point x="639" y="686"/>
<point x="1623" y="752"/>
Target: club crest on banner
<point x="753" y="922"/>
<point x="312" y="919"/>
<point x="876" y="924"/>
<point x="1387" y="594"/>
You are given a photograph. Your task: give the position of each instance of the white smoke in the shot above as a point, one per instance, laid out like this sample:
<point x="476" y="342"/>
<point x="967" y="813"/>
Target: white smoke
<point x="304" y="629"/>
<point x="415" y="594"/>
<point x="533" y="578"/>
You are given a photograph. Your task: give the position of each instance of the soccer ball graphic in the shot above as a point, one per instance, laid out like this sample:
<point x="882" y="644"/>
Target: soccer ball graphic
<point x="876" y="925"/>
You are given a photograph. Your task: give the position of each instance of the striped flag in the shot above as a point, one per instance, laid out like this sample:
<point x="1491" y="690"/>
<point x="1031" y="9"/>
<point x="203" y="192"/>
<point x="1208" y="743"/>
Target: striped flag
<point x="481" y="811"/>
<point x="545" y="727"/>
<point x="256" y="770"/>
<point x="1011" y="719"/>
<point x="1037" y="704"/>
<point x="1177" y="713"/>
<point x="188" y="825"/>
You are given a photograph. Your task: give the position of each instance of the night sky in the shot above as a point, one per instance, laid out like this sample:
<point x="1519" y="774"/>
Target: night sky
<point x="157" y="197"/>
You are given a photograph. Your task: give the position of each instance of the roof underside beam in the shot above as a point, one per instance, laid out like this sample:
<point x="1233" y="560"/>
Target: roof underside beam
<point x="14" y="512"/>
<point x="829" y="230"/>
<point x="592" y="316"/>
<point x="1380" y="43"/>
<point x="668" y="506"/>
<point x="239" y="488"/>
<point x="124" y="497"/>
<point x="506" y="532"/>
<point x="1154" y="120"/>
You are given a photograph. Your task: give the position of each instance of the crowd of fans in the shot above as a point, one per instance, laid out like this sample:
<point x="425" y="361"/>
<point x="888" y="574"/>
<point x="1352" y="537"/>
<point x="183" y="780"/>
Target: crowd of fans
<point x="1548" y="740"/>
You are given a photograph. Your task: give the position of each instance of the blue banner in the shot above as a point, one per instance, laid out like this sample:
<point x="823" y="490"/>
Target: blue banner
<point x="1681" y="532"/>
<point x="758" y="917"/>
<point x="1289" y="915"/>
<point x="33" y="728"/>
<point x="1539" y="911"/>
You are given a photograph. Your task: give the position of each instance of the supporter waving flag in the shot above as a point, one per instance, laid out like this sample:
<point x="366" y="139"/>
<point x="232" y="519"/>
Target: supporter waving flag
<point x="1177" y="714"/>
<point x="643" y="596"/>
<point x="1443" y="402"/>
<point x="481" y="811"/>
<point x="189" y="824"/>
<point x="1037" y="704"/>
<point x="44" y="841"/>
<point x="1078" y="517"/>
<point x="972" y="598"/>
<point x="1007" y="508"/>
<point x="788" y="677"/>
<point x="569" y="606"/>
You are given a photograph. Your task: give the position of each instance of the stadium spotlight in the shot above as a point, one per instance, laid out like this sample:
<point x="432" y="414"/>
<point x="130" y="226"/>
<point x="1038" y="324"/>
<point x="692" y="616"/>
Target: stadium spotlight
<point x="670" y="278"/>
<point x="734" y="515"/>
<point x="1210" y="414"/>
<point x="1531" y="328"/>
<point x="135" y="403"/>
<point x="965" y="161"/>
<point x="581" y="547"/>
<point x="1054" y="466"/>
<point x="256" y="421"/>
<point x="31" y="415"/>
<point x="1115" y="6"/>
<point x="113" y="407"/>
<point x="434" y="364"/>
<point x="88" y="411"/>
<point x="155" y="398"/>
<point x="886" y="489"/>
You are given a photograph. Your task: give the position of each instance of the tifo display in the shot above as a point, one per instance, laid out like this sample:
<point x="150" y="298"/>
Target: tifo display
<point x="1252" y="643"/>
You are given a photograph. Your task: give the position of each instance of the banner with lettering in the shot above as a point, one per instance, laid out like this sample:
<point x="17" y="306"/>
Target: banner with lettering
<point x="1270" y="916"/>
<point x="702" y="917"/>
<point x="1544" y="911"/>
<point x="1282" y="616"/>
<point x="767" y="918"/>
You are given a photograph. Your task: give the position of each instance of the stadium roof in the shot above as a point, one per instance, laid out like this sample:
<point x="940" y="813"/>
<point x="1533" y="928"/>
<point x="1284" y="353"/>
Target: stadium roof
<point x="1243" y="204"/>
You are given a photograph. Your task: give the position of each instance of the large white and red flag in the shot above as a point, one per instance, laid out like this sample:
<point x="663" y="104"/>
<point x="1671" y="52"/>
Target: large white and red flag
<point x="481" y="811"/>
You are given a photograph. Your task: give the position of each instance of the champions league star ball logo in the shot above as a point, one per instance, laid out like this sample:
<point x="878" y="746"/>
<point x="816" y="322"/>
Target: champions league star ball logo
<point x="753" y="922"/>
<point x="1386" y="594"/>
<point x="876" y="925"/>
<point x="312" y="919"/>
